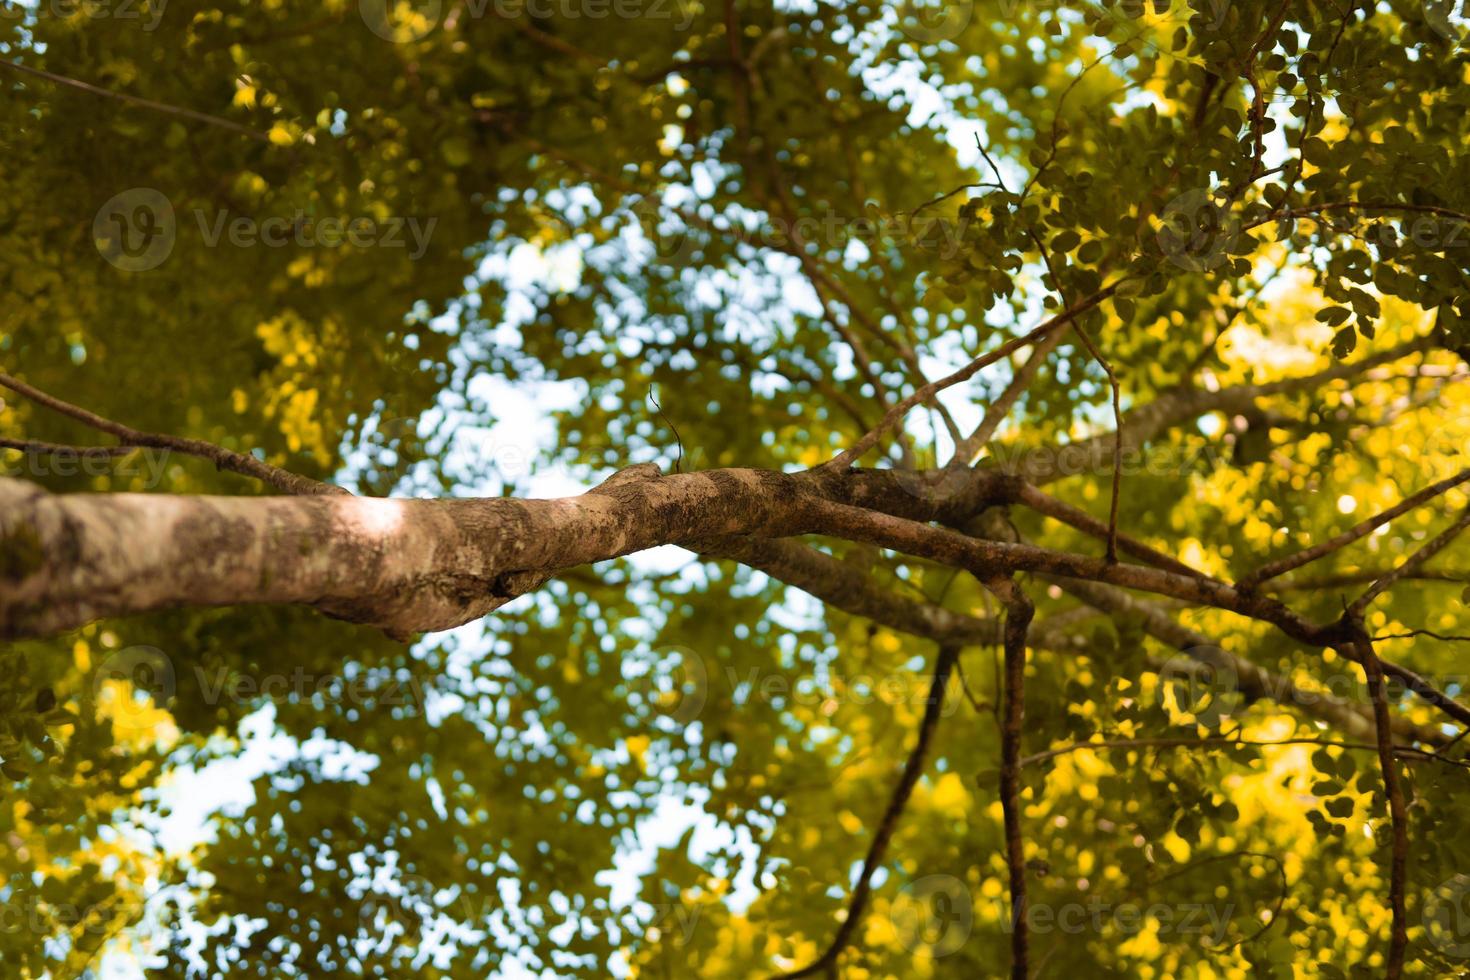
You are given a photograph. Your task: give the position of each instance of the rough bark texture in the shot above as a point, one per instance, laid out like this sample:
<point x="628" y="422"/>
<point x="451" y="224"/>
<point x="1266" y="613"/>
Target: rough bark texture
<point x="403" y="565"/>
<point x="410" y="565"/>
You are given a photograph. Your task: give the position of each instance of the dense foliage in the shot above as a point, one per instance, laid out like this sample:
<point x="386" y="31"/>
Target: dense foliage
<point x="364" y="240"/>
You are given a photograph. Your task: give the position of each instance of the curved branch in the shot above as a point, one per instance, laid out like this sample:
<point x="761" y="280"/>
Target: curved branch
<point x="912" y="770"/>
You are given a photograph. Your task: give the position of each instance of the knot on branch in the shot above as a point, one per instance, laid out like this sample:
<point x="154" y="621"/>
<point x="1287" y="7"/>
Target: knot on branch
<point x="628" y="474"/>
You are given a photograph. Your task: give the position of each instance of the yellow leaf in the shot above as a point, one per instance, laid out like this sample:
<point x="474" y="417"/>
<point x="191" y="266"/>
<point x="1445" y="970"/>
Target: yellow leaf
<point x="637" y="746"/>
<point x="949" y="795"/>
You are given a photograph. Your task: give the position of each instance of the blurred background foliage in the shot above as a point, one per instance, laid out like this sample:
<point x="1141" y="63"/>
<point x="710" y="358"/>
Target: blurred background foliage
<point x="719" y="207"/>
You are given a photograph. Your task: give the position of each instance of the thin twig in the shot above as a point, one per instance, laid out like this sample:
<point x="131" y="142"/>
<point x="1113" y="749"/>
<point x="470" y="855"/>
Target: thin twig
<point x="967" y="449"/>
<point x="225" y="459"/>
<point x="678" y="463"/>
<point x="912" y="770"/>
<point x="1428" y="633"/>
<point x="1044" y="503"/>
<point x="1283" y="565"/>
<point x="846" y="458"/>
<point x="1410" y="564"/>
<point x="1398" y="812"/>
<point x="140" y="103"/>
<point x="1117" y="438"/>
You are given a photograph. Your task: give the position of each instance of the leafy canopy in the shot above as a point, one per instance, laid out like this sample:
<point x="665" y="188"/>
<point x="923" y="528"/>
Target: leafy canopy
<point x="732" y="235"/>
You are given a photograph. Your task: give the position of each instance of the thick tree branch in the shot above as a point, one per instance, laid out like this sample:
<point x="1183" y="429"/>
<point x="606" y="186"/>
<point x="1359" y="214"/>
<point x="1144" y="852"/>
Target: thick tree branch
<point x="1019" y="611"/>
<point x="408" y="566"/>
<point x="431" y="564"/>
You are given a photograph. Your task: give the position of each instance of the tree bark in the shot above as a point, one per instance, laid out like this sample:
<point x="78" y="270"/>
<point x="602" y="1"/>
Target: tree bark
<point x="404" y="565"/>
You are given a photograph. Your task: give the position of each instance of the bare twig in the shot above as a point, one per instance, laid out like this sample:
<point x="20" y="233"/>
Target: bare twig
<point x="134" y="100"/>
<point x="1410" y="564"/>
<point x="225" y="459"/>
<point x="1429" y="633"/>
<point x="995" y="413"/>
<point x="1117" y="437"/>
<point x="895" y="414"/>
<point x="1399" y="934"/>
<point x="912" y="770"/>
<point x="1045" y="503"/>
<point x="1283" y="565"/>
